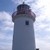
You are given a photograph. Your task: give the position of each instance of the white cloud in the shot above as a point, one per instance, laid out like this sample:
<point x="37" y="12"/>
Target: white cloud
<point x="4" y="36"/>
<point x="6" y="48"/>
<point x="43" y="18"/>
<point x="8" y="23"/>
<point x="42" y="44"/>
<point x="6" y="20"/>
<point x="6" y="26"/>
<point x="20" y="1"/>
<point x="7" y="45"/>
<point x="5" y="16"/>
<point x="41" y="26"/>
<point x="48" y="29"/>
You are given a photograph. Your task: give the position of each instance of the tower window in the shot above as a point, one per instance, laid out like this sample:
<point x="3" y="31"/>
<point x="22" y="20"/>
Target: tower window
<point x="27" y="22"/>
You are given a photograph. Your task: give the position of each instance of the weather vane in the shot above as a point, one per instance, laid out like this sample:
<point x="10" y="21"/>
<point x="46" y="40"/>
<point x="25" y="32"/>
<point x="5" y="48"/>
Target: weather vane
<point x="23" y="1"/>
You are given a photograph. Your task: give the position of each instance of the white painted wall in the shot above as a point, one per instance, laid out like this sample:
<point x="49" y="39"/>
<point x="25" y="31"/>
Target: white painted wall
<point x="23" y="38"/>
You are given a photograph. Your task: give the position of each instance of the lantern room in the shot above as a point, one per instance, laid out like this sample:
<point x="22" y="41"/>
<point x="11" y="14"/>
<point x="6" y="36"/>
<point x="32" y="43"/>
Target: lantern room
<point x="23" y="7"/>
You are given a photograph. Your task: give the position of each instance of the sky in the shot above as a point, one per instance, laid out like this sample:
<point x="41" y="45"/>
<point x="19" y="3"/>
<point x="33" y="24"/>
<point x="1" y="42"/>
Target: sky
<point x="41" y="26"/>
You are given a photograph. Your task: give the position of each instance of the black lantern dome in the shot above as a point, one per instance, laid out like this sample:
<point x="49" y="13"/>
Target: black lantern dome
<point x="23" y="7"/>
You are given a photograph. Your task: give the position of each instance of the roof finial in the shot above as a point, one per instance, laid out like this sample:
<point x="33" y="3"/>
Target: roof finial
<point x="23" y="3"/>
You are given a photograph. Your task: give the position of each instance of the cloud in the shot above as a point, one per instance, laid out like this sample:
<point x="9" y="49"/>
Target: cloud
<point x="6" y="28"/>
<point x="42" y="44"/>
<point x="5" y="16"/>
<point x="6" y="25"/>
<point x="48" y="29"/>
<point x="4" y="36"/>
<point x="42" y="17"/>
<point x="5" y="42"/>
<point x="6" y="48"/>
<point x="6" y="21"/>
<point x="20" y="1"/>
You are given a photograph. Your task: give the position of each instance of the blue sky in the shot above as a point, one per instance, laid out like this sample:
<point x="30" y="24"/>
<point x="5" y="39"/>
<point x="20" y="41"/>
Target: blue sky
<point x="42" y="24"/>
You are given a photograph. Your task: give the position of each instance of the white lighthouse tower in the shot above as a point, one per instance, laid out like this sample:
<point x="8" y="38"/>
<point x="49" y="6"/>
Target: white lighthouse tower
<point x="23" y="36"/>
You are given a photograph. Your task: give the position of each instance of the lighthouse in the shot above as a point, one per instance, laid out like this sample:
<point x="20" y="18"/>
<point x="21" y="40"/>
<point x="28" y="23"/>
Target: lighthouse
<point x="23" y="35"/>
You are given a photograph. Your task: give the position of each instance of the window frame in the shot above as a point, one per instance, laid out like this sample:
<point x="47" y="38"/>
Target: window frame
<point x="26" y="22"/>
